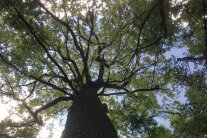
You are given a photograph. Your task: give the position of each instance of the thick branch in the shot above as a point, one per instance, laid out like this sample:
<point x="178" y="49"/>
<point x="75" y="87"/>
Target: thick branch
<point x="45" y="107"/>
<point x="54" y="102"/>
<point x="33" y="77"/>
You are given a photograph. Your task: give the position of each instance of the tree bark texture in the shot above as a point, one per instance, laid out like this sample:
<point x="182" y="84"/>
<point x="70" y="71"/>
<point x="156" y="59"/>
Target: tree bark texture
<point x="87" y="118"/>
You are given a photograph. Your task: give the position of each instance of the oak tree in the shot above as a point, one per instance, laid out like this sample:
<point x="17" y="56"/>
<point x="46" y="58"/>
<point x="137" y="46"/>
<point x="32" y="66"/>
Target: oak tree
<point x="87" y="59"/>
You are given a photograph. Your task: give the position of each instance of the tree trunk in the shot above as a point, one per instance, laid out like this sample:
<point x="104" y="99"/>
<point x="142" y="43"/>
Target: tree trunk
<point x="87" y="118"/>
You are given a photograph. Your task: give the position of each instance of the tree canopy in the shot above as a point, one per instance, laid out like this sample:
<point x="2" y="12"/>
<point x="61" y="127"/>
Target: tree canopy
<point x="50" y="50"/>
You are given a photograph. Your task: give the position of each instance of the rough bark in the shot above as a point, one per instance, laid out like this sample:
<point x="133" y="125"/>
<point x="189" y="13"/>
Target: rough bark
<point x="87" y="118"/>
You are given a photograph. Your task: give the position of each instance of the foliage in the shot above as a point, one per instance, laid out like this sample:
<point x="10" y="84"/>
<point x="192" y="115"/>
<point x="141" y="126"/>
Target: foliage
<point x="51" y="50"/>
<point x="191" y="122"/>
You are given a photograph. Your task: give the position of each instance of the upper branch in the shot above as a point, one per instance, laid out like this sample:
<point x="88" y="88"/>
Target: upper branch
<point x="74" y="40"/>
<point x="142" y="27"/>
<point x="127" y="92"/>
<point x="191" y="59"/>
<point x="33" y="77"/>
<point x="29" y="27"/>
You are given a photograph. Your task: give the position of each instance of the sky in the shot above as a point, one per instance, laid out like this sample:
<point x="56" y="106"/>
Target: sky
<point x="178" y="53"/>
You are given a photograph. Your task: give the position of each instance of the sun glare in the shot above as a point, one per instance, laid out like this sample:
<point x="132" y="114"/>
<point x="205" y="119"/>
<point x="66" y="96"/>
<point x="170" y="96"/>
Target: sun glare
<point x="98" y="5"/>
<point x="175" y="17"/>
<point x="46" y="131"/>
<point x="4" y="111"/>
<point x="5" y="107"/>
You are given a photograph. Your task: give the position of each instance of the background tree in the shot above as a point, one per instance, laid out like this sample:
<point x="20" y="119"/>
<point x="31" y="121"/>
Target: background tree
<point x="191" y="71"/>
<point x="62" y="57"/>
<point x="192" y="118"/>
<point x="194" y="35"/>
